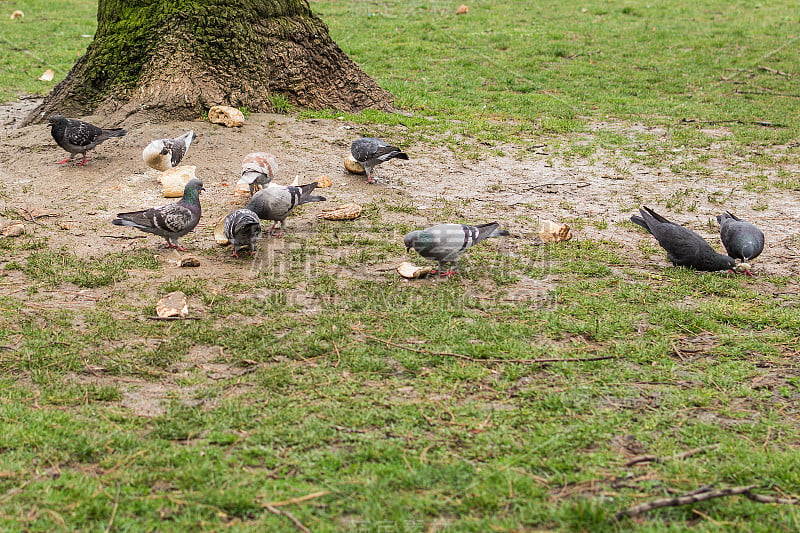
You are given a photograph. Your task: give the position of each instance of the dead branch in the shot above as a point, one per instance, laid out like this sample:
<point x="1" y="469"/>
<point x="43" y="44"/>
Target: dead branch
<point x="174" y="318"/>
<point x="773" y="71"/>
<point x="493" y="361"/>
<point x="280" y="512"/>
<point x="682" y="500"/>
<point x="788" y="95"/>
<point x="683" y="455"/>
<point x="765" y="123"/>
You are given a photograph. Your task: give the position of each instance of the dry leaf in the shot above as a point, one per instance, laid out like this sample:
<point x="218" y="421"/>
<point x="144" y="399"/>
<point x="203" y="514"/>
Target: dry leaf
<point x="173" y="304"/>
<point x="411" y="271"/>
<point x="342" y="212"/>
<point x="550" y="231"/>
<point x="15" y="229"/>
<point x="48" y="75"/>
<point x="462" y="10"/>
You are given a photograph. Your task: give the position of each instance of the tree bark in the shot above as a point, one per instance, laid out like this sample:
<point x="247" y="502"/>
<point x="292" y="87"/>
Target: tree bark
<point x="174" y="59"/>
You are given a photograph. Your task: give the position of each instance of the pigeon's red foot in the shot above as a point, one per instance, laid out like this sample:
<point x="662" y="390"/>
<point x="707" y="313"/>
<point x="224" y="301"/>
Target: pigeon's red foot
<point x="65" y="161"/>
<point x="444" y="274"/>
<point x="235" y="254"/>
<point x="83" y="162"/>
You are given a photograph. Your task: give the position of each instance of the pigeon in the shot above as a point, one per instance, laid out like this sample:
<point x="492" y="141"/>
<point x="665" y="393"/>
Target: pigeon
<point x="163" y="154"/>
<point x="78" y="137"/>
<point x="684" y="247"/>
<point x="275" y="202"/>
<point x="243" y="229"/>
<point x="446" y="242"/>
<point x="742" y="240"/>
<point x="258" y="169"/>
<point x="170" y="221"/>
<point x="371" y="152"/>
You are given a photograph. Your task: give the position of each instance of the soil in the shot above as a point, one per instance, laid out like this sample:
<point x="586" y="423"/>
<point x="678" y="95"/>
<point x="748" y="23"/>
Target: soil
<point x="516" y="189"/>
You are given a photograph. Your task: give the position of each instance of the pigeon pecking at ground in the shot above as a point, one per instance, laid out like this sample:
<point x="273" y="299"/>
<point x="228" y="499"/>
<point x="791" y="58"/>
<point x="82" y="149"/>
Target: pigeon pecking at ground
<point x="446" y="242"/>
<point x="275" y="202"/>
<point x="684" y="247"/>
<point x="163" y="154"/>
<point x="242" y="228"/>
<point x="78" y="137"/>
<point x="258" y="169"/>
<point x="742" y="240"/>
<point x="371" y="152"/>
<point x="170" y="221"/>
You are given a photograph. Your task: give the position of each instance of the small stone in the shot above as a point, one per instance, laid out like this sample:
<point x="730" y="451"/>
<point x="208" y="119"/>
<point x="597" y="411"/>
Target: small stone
<point x="227" y="115"/>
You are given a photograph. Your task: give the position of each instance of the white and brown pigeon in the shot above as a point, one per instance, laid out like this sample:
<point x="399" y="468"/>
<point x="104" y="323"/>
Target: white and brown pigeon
<point x="258" y="169"/>
<point x="275" y="202"/>
<point x="170" y="221"/>
<point x="78" y="137"/>
<point x="684" y="247"/>
<point x="242" y="228"/>
<point x="163" y="154"/>
<point x="371" y="152"/>
<point x="446" y="242"/>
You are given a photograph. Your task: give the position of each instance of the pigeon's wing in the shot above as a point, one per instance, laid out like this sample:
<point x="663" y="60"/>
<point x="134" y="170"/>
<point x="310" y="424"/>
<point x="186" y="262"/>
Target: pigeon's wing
<point x="177" y="149"/>
<point x="80" y="133"/>
<point x="366" y="148"/>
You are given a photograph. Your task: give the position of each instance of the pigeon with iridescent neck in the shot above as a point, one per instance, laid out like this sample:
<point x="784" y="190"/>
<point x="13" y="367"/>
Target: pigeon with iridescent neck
<point x="170" y="221"/>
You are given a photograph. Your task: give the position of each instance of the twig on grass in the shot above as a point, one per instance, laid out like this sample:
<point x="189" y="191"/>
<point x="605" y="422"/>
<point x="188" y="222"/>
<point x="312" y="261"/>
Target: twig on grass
<point x="280" y="512"/>
<point x="113" y="511"/>
<point x="765" y="93"/>
<point x="477" y="360"/>
<point x="683" y="455"/>
<point x="773" y="71"/>
<point x="174" y="318"/>
<point x="702" y="494"/>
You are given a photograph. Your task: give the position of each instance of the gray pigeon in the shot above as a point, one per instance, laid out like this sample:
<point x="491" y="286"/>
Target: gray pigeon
<point x="78" y="137"/>
<point x="446" y="242"/>
<point x="258" y="169"/>
<point x="243" y="229"/>
<point x="371" y="152"/>
<point x="684" y="247"/>
<point x="170" y="221"/>
<point x="742" y="240"/>
<point x="163" y="154"/>
<point x="275" y="202"/>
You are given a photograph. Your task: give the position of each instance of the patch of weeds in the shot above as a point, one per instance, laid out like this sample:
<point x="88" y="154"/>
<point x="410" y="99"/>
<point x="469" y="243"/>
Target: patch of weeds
<point x="53" y="267"/>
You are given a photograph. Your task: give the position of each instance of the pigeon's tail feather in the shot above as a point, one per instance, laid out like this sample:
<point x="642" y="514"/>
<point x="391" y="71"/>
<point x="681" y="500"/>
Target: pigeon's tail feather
<point x="314" y="198"/>
<point x="133" y="218"/>
<point x="108" y="133"/>
<point x="402" y="155"/>
<point x="653" y="214"/>
<point x="499" y="233"/>
<point x="486" y="230"/>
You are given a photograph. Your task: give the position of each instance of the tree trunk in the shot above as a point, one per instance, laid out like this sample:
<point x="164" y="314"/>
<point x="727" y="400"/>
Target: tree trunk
<point x="173" y="59"/>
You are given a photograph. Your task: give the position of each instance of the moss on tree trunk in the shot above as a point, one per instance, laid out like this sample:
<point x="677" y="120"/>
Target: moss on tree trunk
<point x="173" y="59"/>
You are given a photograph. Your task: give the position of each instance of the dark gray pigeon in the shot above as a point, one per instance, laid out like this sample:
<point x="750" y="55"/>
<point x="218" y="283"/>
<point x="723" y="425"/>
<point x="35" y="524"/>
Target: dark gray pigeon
<point x="275" y="202"/>
<point x="741" y="239"/>
<point x="446" y="242"/>
<point x="371" y="152"/>
<point x="243" y="229"/>
<point x="170" y="221"/>
<point x="78" y="137"/>
<point x="163" y="154"/>
<point x="684" y="247"/>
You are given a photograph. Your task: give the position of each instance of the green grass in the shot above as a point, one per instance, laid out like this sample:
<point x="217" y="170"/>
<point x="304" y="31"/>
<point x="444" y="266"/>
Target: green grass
<point x="416" y="406"/>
